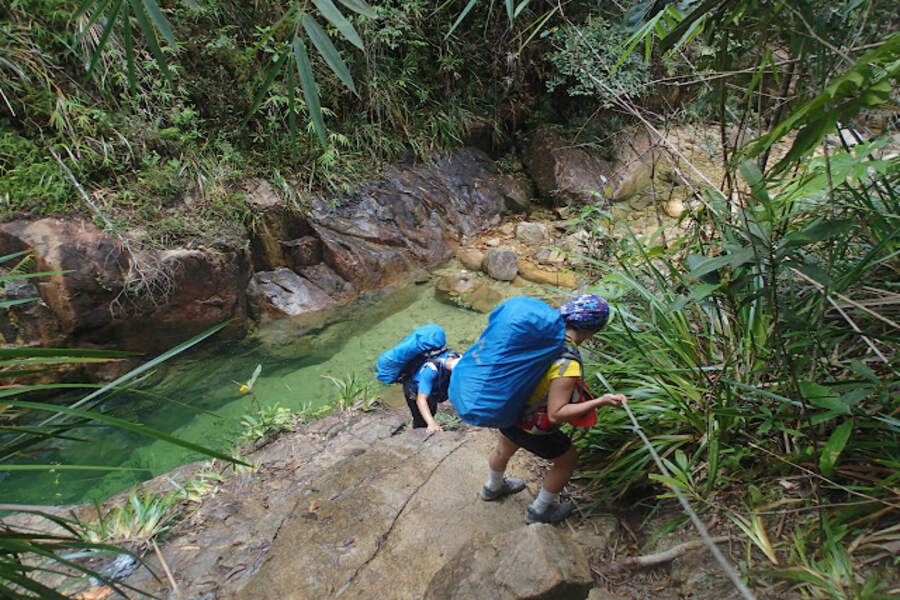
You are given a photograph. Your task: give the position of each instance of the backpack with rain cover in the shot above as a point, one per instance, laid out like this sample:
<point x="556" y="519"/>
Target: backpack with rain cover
<point x="495" y="377"/>
<point x="403" y="360"/>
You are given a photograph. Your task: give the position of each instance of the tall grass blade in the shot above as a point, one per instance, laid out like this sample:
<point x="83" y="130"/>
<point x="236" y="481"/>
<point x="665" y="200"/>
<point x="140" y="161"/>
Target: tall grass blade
<point x="465" y="11"/>
<point x="120" y="424"/>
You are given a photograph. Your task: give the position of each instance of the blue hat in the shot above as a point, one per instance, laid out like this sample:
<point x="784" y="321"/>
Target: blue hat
<point x="587" y="312"/>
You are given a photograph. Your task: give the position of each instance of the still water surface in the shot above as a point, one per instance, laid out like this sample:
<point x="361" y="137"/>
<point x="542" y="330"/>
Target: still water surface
<point x="196" y="397"/>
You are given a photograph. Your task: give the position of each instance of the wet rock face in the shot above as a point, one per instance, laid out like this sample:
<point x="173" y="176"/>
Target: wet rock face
<point x="383" y="229"/>
<point x="365" y="240"/>
<point x="100" y="294"/>
<point x="290" y="293"/>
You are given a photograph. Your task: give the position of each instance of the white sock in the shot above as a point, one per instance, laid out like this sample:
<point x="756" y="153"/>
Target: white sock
<point x="543" y="500"/>
<point x="495" y="480"/>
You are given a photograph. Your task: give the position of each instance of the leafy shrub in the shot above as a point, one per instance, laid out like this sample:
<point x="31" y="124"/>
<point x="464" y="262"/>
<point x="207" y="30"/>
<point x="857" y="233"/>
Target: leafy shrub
<point x="141" y="518"/>
<point x="585" y="56"/>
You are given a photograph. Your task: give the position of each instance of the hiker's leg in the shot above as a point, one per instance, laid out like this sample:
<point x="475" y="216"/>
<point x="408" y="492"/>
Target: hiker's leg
<point x="558" y="475"/>
<point x="410" y="392"/>
<point x="502" y="452"/>
<point x="497" y="485"/>
<point x="556" y="447"/>
<point x="545" y="508"/>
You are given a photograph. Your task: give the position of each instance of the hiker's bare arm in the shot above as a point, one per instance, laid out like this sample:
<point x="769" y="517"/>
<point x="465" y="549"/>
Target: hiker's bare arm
<point x="422" y="403"/>
<point x="559" y="409"/>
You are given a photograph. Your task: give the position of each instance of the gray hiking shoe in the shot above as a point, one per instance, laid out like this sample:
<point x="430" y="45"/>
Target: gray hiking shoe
<point x="511" y="485"/>
<point x="554" y="513"/>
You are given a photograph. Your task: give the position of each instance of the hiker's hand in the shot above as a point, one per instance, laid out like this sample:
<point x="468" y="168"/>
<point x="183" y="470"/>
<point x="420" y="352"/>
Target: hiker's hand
<point x="613" y="399"/>
<point x="434" y="428"/>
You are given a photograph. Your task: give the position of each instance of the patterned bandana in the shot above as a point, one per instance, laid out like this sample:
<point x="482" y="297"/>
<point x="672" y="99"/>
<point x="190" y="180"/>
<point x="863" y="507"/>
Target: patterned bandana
<point x="588" y="312"/>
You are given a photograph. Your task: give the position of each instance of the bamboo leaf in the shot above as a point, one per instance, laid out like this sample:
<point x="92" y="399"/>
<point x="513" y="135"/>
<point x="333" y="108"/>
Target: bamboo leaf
<point x="334" y="16"/>
<point x="159" y="20"/>
<point x="754" y="178"/>
<point x="510" y="9"/>
<point x="323" y="44"/>
<point x="266" y="85"/>
<point x="816" y="273"/>
<point x="678" y="33"/>
<point x="461" y="16"/>
<point x="308" y="83"/>
<point x="360" y="7"/>
<point x="823" y="397"/>
<point x="817" y="231"/>
<point x="98" y="12"/>
<point x="129" y="57"/>
<point x="150" y="36"/>
<point x="292" y="97"/>
<point x="833" y="448"/>
<point x="734" y="259"/>
<point x="522" y="6"/>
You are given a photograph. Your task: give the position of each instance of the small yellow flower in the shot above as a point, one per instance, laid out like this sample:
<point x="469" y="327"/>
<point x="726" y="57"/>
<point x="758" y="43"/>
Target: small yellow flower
<point x="244" y="388"/>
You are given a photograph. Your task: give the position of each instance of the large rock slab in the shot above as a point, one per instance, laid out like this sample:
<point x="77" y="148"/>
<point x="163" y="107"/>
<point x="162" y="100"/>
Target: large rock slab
<point x="567" y="173"/>
<point x="421" y="210"/>
<point x="580" y="174"/>
<point x="381" y="524"/>
<point x="530" y="562"/>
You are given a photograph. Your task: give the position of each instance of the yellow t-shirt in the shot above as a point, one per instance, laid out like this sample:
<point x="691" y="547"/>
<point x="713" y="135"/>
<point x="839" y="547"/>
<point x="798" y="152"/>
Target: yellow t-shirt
<point x="561" y="367"/>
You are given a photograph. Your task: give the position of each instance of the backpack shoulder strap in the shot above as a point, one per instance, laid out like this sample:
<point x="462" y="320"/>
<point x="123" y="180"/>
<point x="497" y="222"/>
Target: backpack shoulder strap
<point x="412" y="367"/>
<point x="569" y="354"/>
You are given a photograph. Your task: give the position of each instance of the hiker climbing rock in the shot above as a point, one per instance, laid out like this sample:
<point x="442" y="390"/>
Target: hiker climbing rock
<point x="428" y="387"/>
<point x="422" y="363"/>
<point x="559" y="396"/>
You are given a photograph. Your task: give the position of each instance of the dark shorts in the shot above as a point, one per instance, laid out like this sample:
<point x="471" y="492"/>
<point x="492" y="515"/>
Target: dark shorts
<point x="549" y="446"/>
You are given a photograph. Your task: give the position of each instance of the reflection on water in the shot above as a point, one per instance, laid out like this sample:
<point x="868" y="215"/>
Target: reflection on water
<point x="196" y="397"/>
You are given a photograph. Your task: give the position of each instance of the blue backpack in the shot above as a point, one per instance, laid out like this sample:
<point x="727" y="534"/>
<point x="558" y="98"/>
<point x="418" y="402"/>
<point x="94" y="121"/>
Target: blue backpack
<point x="404" y="359"/>
<point x="495" y="377"/>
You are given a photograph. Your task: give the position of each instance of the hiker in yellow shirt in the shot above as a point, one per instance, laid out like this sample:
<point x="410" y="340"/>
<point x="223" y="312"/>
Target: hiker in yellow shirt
<point x="558" y="398"/>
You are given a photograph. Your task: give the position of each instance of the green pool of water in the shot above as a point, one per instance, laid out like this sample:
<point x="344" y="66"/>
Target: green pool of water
<point x="197" y="397"/>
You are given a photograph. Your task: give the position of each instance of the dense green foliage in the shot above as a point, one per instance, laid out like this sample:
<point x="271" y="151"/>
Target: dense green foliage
<point x="219" y="117"/>
<point x="759" y="350"/>
<point x="585" y="57"/>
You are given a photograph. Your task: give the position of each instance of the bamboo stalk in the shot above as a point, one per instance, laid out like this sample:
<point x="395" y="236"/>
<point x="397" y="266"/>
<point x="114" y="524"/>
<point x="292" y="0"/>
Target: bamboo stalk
<point x="649" y="560"/>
